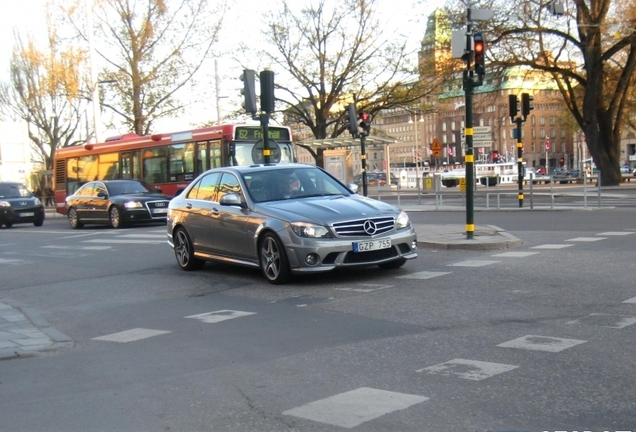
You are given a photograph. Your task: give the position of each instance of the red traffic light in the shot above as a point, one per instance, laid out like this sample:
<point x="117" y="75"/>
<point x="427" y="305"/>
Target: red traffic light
<point x="479" y="46"/>
<point x="364" y="116"/>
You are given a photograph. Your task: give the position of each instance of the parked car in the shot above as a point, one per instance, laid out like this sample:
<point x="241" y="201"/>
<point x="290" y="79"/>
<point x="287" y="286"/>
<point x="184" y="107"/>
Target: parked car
<point x="285" y="219"/>
<point x="372" y="180"/>
<point x="19" y="205"/>
<point x="625" y="169"/>
<point x="560" y="173"/>
<point x="116" y="203"/>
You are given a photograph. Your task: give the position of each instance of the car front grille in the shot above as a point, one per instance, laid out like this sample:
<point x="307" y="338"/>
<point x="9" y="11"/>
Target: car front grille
<point x="158" y="209"/>
<point x="364" y="227"/>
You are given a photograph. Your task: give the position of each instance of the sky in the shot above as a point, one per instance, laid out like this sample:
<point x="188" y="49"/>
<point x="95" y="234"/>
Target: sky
<point x="242" y="24"/>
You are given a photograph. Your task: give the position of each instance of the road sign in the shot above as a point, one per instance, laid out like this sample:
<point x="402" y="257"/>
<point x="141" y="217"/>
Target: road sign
<point x="436" y="146"/>
<point x="479" y="143"/>
<point x="479" y="129"/>
<point x="482" y="137"/>
<point x="437" y="153"/>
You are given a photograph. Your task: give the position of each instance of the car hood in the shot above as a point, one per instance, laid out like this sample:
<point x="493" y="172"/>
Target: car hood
<point x="146" y="196"/>
<point x="328" y="210"/>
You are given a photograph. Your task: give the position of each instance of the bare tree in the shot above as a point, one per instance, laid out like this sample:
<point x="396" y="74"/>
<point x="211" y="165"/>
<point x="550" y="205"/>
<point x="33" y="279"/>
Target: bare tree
<point x="326" y="57"/>
<point x="589" y="51"/>
<point x="44" y="92"/>
<point x="153" y="49"/>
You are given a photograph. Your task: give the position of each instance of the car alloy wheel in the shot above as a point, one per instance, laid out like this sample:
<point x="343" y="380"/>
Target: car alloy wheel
<point x="274" y="260"/>
<point x="73" y="219"/>
<point x="115" y="217"/>
<point x="184" y="251"/>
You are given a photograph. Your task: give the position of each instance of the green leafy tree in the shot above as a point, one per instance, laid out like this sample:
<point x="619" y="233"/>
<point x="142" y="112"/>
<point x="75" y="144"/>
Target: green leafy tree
<point x="327" y="55"/>
<point x="589" y="51"/>
<point x="152" y="49"/>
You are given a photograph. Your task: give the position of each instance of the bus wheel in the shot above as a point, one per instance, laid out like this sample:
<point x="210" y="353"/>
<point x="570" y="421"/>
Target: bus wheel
<point x="273" y="259"/>
<point x="184" y="251"/>
<point x="115" y="217"/>
<point x="73" y="219"/>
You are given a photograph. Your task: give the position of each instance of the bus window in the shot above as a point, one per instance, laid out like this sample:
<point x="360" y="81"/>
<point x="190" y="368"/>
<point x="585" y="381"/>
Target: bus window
<point x="130" y="165"/>
<point x="202" y="157"/>
<point x="87" y="168"/>
<point x="108" y="166"/>
<point x="155" y="165"/>
<point x="181" y="162"/>
<point x="215" y="154"/>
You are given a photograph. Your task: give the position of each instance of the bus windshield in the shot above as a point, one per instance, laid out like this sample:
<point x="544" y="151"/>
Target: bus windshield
<point x="246" y="153"/>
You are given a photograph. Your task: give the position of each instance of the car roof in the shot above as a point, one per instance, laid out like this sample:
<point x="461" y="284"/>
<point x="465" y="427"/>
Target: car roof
<point x="263" y="167"/>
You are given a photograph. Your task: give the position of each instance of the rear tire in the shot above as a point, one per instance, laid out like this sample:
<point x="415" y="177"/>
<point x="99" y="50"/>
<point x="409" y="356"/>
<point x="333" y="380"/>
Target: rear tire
<point x="274" y="263"/>
<point x="73" y="219"/>
<point x="392" y="264"/>
<point x="8" y="224"/>
<point x="184" y="251"/>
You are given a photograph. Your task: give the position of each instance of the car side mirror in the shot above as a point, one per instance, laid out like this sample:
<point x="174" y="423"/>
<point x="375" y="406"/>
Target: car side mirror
<point x="102" y="195"/>
<point x="232" y="199"/>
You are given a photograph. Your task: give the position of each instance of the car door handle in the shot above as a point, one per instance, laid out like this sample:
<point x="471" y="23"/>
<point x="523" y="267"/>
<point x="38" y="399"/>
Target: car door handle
<point x="188" y="206"/>
<point x="214" y="212"/>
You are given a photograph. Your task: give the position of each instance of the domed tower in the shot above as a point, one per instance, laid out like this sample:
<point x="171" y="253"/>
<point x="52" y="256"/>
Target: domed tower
<point x="435" y="52"/>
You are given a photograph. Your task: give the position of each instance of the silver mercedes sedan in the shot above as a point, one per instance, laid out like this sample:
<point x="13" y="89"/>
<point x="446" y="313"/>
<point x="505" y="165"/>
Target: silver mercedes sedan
<point x="286" y="219"/>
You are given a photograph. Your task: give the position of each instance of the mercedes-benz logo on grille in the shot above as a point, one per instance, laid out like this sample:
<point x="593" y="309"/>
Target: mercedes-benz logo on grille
<point x="370" y="227"/>
<point x="160" y="204"/>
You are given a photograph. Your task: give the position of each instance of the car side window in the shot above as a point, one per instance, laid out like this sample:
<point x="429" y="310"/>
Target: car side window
<point x="192" y="193"/>
<point x="229" y="184"/>
<point x="86" y="190"/>
<point x="208" y="187"/>
<point x="99" y="188"/>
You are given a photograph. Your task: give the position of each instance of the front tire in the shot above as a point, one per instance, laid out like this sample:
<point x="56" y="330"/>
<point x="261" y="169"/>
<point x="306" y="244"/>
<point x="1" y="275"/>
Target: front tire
<point x="115" y="217"/>
<point x="274" y="263"/>
<point x="184" y="251"/>
<point x="39" y="222"/>
<point x="8" y="224"/>
<point x="73" y="219"/>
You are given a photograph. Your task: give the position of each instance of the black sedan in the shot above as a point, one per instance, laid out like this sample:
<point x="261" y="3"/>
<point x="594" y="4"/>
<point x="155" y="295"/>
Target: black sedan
<point x="18" y="205"/>
<point x="116" y="203"/>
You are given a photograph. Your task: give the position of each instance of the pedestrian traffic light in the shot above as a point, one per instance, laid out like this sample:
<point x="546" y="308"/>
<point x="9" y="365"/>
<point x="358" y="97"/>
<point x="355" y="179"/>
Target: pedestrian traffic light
<point x="267" y="91"/>
<point x="479" y="49"/>
<point x="513" y="106"/>
<point x="248" y="77"/>
<point x="526" y="104"/>
<point x="353" y="122"/>
<point x="365" y="121"/>
<point x="495" y="156"/>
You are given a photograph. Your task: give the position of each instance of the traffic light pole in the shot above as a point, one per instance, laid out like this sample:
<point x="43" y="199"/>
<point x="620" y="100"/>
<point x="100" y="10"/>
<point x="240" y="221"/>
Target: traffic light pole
<point x="519" y="121"/>
<point x="363" y="158"/>
<point x="469" y="91"/>
<point x="265" y="132"/>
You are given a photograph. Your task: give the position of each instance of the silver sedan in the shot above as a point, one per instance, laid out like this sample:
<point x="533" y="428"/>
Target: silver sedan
<point x="286" y="219"/>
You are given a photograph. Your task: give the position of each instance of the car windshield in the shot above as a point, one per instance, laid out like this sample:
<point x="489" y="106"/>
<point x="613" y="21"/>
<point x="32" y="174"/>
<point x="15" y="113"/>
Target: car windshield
<point x="291" y="183"/>
<point x="13" y="191"/>
<point x="128" y="187"/>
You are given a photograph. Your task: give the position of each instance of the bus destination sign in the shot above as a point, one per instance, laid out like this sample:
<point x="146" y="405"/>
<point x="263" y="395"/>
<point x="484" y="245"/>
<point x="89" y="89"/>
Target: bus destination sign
<point x="255" y="133"/>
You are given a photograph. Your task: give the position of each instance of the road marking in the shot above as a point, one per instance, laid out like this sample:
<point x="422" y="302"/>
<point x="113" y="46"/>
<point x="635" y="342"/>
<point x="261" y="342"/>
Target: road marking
<point x="116" y="241"/>
<point x="355" y="407"/>
<point x="551" y="246"/>
<point x="150" y="236"/>
<point x="515" y="254"/>
<point x="541" y="343"/>
<point x="373" y="287"/>
<point x="631" y="300"/>
<point x="13" y="261"/>
<point x="423" y="275"/>
<point x="131" y="335"/>
<point x="615" y="233"/>
<point x="77" y="247"/>
<point x="586" y="239"/>
<point x="220" y="315"/>
<point x="606" y="320"/>
<point x="469" y="369"/>
<point x="473" y="263"/>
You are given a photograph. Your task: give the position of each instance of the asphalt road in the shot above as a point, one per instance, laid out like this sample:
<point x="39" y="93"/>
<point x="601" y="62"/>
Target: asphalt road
<point x="535" y="338"/>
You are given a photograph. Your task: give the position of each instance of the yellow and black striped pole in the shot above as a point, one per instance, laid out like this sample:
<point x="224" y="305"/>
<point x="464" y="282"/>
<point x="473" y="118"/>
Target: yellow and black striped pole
<point x="518" y="120"/>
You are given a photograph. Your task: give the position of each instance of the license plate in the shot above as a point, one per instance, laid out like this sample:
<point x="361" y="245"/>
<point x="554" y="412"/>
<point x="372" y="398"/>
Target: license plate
<point x="371" y="245"/>
<point x="160" y="211"/>
<point x="27" y="214"/>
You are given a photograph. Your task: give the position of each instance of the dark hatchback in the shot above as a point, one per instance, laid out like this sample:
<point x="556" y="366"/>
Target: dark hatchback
<point x="18" y="205"/>
<point x="116" y="203"/>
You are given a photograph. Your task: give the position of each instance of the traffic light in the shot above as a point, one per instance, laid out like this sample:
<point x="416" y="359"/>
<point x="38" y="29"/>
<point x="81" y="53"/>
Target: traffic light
<point x="526" y="104"/>
<point x="267" y="91"/>
<point x="353" y="122"/>
<point x="495" y="156"/>
<point x="480" y="51"/>
<point x="513" y="106"/>
<point x="249" y="77"/>
<point x="365" y="121"/>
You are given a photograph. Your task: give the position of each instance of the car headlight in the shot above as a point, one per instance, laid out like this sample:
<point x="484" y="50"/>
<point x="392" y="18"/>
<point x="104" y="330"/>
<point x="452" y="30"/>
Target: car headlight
<point x="402" y="221"/>
<point x="5" y="204"/>
<point x="310" y="230"/>
<point x="133" y="204"/>
<point x="38" y="202"/>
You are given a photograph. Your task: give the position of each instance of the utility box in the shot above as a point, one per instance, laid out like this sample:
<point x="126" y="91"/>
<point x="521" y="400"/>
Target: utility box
<point x="338" y="163"/>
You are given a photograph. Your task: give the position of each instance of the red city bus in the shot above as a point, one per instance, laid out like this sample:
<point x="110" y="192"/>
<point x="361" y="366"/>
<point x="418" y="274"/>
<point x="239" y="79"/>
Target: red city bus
<point x="167" y="161"/>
